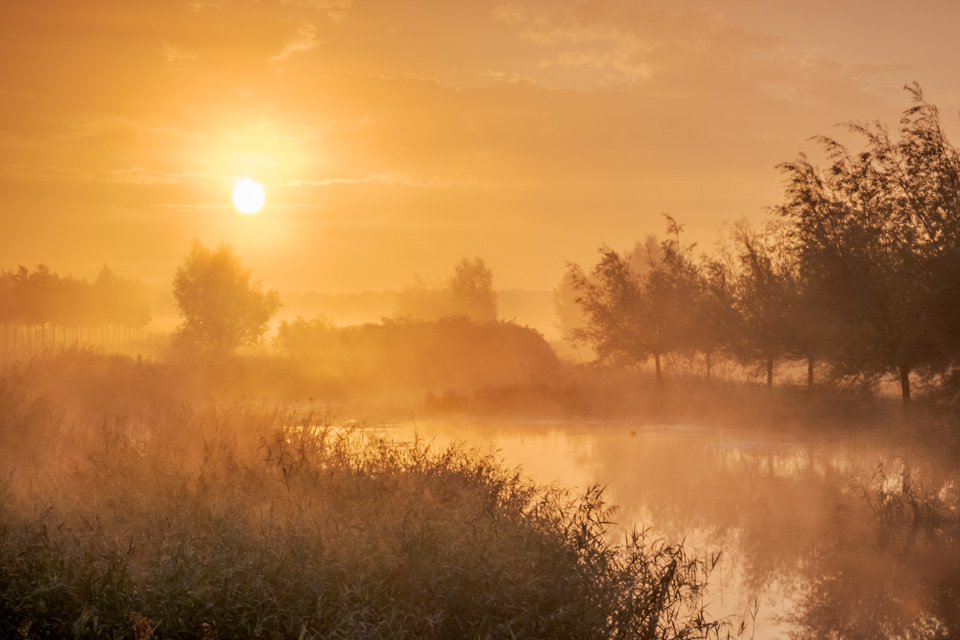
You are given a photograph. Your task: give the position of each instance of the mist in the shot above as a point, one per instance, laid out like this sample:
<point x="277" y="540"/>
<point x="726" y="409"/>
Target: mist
<point x="495" y="320"/>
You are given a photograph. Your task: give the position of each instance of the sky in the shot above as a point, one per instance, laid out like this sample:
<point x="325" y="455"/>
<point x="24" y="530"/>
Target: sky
<point x="394" y="138"/>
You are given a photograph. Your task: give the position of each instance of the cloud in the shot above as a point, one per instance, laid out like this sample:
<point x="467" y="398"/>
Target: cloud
<point x="336" y="9"/>
<point x="141" y="176"/>
<point x="625" y="60"/>
<point x="200" y="5"/>
<point x="173" y="53"/>
<point x="304" y="40"/>
<point x="634" y="40"/>
<point x="390" y="179"/>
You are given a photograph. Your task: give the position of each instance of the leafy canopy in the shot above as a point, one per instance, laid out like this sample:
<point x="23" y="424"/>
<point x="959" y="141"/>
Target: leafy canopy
<point x="222" y="307"/>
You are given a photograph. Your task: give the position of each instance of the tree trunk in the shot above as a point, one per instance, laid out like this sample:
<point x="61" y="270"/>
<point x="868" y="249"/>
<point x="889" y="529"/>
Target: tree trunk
<point x="769" y="372"/>
<point x="708" y="366"/>
<point x="656" y="361"/>
<point x="905" y="384"/>
<point x="810" y="363"/>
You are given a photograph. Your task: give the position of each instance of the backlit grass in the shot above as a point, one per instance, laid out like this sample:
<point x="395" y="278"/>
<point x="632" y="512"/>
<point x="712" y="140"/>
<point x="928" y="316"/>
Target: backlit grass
<point x="186" y="521"/>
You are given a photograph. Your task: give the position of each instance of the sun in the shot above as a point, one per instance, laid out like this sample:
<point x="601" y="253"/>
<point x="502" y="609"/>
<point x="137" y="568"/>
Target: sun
<point x="248" y="196"/>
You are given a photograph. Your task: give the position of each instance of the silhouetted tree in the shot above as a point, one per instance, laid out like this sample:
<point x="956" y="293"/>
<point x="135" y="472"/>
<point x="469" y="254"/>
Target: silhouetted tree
<point x="765" y="295"/>
<point x="42" y="306"/>
<point x="8" y="310"/>
<point x="306" y="337"/>
<point x="671" y="290"/>
<point x="611" y="297"/>
<point x="716" y="320"/>
<point x="33" y="291"/>
<point x="222" y="308"/>
<point x="468" y="293"/>
<point x="878" y="242"/>
<point x="423" y="302"/>
<point x="923" y="170"/>
<point x="632" y="315"/>
<point x="569" y="315"/>
<point x="119" y="303"/>
<point x="471" y="291"/>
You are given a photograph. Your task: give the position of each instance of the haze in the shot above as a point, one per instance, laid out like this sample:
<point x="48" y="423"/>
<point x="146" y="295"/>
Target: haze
<point x="395" y="138"/>
<point x="483" y="319"/>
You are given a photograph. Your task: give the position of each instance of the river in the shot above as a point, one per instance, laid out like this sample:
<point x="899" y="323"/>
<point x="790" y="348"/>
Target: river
<point x="769" y="501"/>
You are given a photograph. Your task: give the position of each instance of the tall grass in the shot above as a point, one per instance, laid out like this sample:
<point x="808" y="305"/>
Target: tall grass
<point x="245" y="521"/>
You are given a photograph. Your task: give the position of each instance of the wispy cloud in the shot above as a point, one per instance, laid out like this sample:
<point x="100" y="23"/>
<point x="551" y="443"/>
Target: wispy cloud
<point x="141" y="176"/>
<point x="200" y="5"/>
<point x="633" y="39"/>
<point x="336" y="9"/>
<point x="173" y="53"/>
<point x="382" y="178"/>
<point x="304" y="40"/>
<point x="190" y="206"/>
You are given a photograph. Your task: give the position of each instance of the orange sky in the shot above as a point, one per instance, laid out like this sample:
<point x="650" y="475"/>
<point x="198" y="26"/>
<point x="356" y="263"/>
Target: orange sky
<point x="394" y="138"/>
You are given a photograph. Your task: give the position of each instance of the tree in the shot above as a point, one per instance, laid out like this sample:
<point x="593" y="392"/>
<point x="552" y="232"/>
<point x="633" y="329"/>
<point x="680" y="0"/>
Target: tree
<point x="765" y="293"/>
<point x="633" y="315"/>
<point x="570" y="315"/>
<point x="878" y="242"/>
<point x="119" y="302"/>
<point x="8" y="308"/>
<point x="716" y="319"/>
<point x="468" y="293"/>
<point x="611" y="297"/>
<point x="471" y="291"/>
<point x="222" y="308"/>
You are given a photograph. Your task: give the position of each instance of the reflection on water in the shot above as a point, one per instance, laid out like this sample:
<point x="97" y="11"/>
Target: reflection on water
<point x="768" y="502"/>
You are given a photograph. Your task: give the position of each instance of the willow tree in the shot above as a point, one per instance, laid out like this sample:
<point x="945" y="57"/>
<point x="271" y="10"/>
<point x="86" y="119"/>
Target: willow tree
<point x="765" y="296"/>
<point x="878" y="238"/>
<point x="632" y="316"/>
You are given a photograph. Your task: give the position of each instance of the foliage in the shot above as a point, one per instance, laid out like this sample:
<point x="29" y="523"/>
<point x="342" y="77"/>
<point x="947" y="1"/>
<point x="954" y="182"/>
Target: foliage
<point x="452" y="353"/>
<point x="634" y="313"/>
<point x="221" y="306"/>
<point x="860" y="270"/>
<point x="766" y="296"/>
<point x="876" y="239"/>
<point x="468" y="293"/>
<point x="247" y="522"/>
<point x="33" y="302"/>
<point x="471" y="291"/>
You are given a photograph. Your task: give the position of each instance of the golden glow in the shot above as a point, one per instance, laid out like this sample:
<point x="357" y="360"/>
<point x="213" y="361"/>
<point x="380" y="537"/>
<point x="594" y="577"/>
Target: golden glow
<point x="386" y="158"/>
<point x="248" y="196"/>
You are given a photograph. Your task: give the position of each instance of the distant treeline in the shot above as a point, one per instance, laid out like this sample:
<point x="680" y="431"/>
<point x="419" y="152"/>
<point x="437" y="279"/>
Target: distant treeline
<point x="450" y="353"/>
<point x="857" y="274"/>
<point x="41" y="308"/>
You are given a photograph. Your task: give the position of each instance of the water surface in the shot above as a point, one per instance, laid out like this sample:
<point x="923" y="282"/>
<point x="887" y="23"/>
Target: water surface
<point x="766" y="500"/>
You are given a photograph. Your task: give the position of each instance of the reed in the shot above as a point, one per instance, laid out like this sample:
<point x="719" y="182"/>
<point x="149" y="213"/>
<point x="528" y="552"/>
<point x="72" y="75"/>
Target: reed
<point x="249" y="521"/>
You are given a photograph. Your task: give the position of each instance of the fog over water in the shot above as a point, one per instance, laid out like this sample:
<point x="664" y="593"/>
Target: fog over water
<point x="594" y="319"/>
<point x="768" y="502"/>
